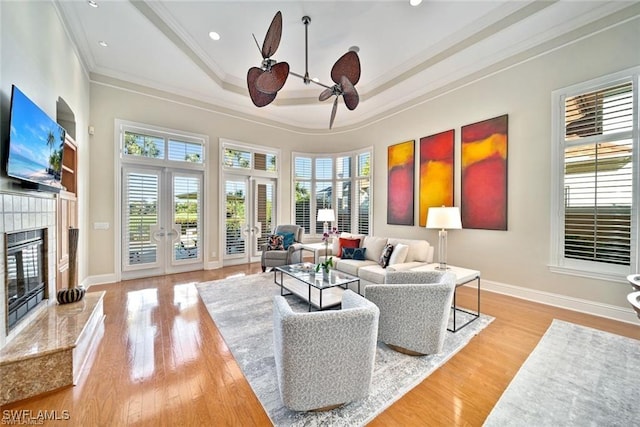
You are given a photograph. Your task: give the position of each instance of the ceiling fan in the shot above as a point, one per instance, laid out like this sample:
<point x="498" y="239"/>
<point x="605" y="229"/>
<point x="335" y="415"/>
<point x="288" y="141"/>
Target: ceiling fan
<point x="265" y="82"/>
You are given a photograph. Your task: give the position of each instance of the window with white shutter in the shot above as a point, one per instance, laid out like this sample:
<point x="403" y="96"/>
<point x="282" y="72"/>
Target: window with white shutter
<point x="596" y="135"/>
<point x="324" y="181"/>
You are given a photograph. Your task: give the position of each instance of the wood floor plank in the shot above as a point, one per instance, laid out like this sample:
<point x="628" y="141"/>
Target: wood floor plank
<point x="163" y="362"/>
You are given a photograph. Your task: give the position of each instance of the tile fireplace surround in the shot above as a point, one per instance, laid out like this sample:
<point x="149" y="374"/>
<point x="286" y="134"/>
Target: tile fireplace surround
<point x="25" y="212"/>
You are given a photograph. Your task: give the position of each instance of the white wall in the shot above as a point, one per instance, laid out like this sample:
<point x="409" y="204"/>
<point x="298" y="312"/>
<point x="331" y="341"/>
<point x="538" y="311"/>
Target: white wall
<point x="37" y="55"/>
<point x="517" y="257"/>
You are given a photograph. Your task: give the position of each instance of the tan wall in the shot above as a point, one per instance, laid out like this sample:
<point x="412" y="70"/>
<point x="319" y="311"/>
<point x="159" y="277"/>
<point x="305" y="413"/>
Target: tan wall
<point x="518" y="256"/>
<point x="37" y="56"/>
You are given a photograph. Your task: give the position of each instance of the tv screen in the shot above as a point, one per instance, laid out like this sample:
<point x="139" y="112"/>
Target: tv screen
<point x="36" y="144"/>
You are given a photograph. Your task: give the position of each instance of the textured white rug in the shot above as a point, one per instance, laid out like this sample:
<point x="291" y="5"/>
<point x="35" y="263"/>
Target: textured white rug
<point x="576" y="376"/>
<point x="242" y="308"/>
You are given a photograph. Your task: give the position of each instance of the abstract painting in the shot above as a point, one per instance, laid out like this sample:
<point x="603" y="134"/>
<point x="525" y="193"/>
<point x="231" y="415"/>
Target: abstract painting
<point x="436" y="172"/>
<point x="484" y="174"/>
<point x="400" y="169"/>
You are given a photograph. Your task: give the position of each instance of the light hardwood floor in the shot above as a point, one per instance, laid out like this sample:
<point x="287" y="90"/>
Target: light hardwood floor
<point x="162" y="362"/>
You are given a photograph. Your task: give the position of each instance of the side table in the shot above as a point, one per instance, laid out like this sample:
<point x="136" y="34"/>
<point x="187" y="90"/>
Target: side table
<point x="463" y="276"/>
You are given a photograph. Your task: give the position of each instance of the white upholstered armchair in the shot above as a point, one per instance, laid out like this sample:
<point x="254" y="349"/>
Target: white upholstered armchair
<point x="291" y="255"/>
<point x="324" y="359"/>
<point x="414" y="310"/>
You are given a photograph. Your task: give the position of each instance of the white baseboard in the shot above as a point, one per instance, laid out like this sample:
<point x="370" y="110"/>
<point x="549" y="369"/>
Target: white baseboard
<point x="98" y="280"/>
<point x="562" y="301"/>
<point x="213" y="265"/>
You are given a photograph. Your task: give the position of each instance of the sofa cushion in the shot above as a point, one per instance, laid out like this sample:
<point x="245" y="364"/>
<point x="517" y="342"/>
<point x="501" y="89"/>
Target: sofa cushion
<point x="386" y="254"/>
<point x="275" y="242"/>
<point x="419" y="250"/>
<point x="374" y="246"/>
<point x="351" y="266"/>
<point x="406" y="266"/>
<point x="347" y="243"/>
<point x="372" y="273"/>
<point x="287" y="238"/>
<point x="354" y="253"/>
<point x="399" y="254"/>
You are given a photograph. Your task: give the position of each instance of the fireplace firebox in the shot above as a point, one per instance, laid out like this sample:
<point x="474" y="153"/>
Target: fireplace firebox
<point x="25" y="273"/>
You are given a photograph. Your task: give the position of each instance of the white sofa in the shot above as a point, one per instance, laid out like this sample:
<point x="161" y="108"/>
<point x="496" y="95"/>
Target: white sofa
<point x="419" y="253"/>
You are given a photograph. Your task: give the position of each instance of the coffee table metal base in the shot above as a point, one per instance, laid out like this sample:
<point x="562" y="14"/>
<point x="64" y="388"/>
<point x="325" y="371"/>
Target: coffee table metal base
<point x="320" y="298"/>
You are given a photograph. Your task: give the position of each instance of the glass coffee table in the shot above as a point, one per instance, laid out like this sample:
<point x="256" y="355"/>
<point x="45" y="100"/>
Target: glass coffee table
<point x="320" y="292"/>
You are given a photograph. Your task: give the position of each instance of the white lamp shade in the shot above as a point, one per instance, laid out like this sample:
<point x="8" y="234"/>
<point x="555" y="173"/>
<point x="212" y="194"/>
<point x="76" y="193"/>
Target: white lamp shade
<point x="444" y="218"/>
<point x="326" y="215"/>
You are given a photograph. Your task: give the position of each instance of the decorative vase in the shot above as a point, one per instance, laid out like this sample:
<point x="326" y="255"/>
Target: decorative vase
<point x="326" y="274"/>
<point x="73" y="293"/>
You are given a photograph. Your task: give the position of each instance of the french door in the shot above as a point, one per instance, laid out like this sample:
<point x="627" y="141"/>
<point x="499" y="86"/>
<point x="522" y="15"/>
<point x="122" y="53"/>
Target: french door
<point x="161" y="221"/>
<point x="249" y="217"/>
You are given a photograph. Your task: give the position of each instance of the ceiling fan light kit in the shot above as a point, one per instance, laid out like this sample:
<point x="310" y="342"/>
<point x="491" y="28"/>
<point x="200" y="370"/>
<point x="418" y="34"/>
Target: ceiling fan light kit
<point x="265" y="82"/>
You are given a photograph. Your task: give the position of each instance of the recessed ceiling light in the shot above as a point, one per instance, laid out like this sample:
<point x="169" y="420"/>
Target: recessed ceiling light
<point x="415" y="2"/>
<point x="92" y="3"/>
<point x="214" y="36"/>
<point x="103" y="43"/>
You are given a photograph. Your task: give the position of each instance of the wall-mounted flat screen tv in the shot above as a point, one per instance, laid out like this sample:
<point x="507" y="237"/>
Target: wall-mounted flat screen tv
<point x="36" y="145"/>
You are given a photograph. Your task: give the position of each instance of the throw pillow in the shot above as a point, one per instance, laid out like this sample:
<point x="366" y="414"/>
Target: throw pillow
<point x="287" y="238"/>
<point x="357" y="254"/>
<point x="399" y="254"/>
<point x="275" y="242"/>
<point x="347" y="243"/>
<point x="386" y="254"/>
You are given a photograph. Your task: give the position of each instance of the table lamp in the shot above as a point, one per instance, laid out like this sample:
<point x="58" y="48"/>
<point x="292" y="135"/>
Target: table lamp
<point x="443" y="218"/>
<point x="326" y="215"/>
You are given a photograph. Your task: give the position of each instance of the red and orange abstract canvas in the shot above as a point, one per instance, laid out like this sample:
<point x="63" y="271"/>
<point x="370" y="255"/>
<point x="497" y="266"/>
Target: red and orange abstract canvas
<point x="400" y="169"/>
<point x="484" y="174"/>
<point x="436" y="172"/>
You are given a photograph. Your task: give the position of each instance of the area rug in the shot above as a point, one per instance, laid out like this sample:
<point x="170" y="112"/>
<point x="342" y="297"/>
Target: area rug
<point x="242" y="309"/>
<point x="576" y="376"/>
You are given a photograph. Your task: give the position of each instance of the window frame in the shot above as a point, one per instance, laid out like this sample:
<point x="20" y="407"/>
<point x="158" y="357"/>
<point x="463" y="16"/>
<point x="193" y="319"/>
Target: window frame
<point x="558" y="262"/>
<point x="354" y="179"/>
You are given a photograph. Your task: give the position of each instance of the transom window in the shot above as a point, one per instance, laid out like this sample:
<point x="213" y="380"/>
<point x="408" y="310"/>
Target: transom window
<point x="152" y="145"/>
<point x="595" y="139"/>
<point x="340" y="182"/>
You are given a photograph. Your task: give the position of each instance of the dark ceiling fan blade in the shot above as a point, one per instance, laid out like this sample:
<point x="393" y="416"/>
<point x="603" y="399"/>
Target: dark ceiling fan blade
<point x="325" y="94"/>
<point x="349" y="93"/>
<point x="272" y="39"/>
<point x="333" y="112"/>
<point x="259" y="99"/>
<point x="272" y="81"/>
<point x="347" y="65"/>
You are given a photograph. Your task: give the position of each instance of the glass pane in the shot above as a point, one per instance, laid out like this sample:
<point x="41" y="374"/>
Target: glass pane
<point x="343" y="167"/>
<point x="237" y="159"/>
<point x="303" y="205"/>
<point x="598" y="198"/>
<point x="303" y="168"/>
<point x="606" y="111"/>
<point x="362" y="199"/>
<point x="182" y="151"/>
<point x="343" y="200"/>
<point x="324" y="168"/>
<point x="186" y="208"/>
<point x="236" y="194"/>
<point x="264" y="162"/>
<point x="143" y="145"/>
<point x="364" y="164"/>
<point x="264" y="212"/>
<point x="324" y="190"/>
<point x="141" y="196"/>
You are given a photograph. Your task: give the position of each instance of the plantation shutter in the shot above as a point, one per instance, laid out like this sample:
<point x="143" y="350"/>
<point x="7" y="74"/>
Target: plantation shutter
<point x="303" y="175"/>
<point x="598" y="182"/>
<point x="343" y="193"/>
<point x="140" y="215"/>
<point x="186" y="211"/>
<point x="363" y="186"/>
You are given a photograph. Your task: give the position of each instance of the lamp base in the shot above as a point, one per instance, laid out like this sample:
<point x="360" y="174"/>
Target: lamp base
<point x="442" y="267"/>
